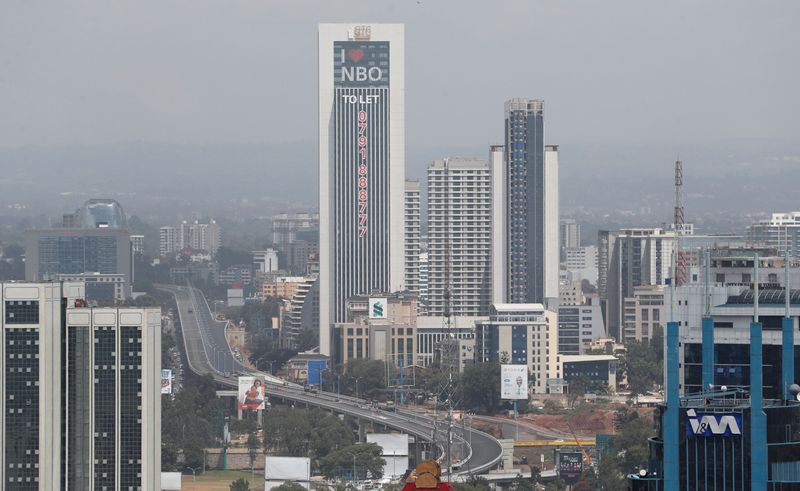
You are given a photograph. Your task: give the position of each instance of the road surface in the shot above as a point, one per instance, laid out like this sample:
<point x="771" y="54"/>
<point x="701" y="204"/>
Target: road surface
<point x="208" y="352"/>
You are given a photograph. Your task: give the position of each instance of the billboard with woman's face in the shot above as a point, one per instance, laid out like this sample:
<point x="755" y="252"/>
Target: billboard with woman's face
<point x="251" y="393"/>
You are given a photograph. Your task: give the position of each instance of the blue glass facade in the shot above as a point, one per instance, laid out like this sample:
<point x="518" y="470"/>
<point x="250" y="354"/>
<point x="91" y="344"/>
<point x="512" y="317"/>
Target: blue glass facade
<point x="524" y="139"/>
<point x="59" y="254"/>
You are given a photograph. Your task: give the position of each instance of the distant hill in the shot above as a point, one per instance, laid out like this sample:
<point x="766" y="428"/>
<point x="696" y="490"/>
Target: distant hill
<point x="160" y="180"/>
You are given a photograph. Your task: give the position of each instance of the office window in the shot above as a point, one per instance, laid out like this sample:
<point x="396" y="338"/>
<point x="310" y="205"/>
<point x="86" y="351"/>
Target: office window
<point x="22" y="312"/>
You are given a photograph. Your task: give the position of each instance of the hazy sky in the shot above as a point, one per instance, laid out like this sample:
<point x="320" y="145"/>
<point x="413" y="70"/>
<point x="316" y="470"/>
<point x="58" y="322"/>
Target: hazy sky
<point x="200" y="71"/>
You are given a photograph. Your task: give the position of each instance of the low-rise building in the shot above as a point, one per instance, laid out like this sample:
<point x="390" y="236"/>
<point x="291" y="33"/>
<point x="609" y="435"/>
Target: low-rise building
<point x="597" y="371"/>
<point x="643" y="313"/>
<point x="521" y="334"/>
<point x="383" y="327"/>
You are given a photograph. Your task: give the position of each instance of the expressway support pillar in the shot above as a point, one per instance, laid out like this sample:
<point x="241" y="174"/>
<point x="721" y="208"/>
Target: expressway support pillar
<point x="362" y="430"/>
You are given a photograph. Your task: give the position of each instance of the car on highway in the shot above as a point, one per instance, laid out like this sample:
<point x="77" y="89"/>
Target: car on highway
<point x="191" y="310"/>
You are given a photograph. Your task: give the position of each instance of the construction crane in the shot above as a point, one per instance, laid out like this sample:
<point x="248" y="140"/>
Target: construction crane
<point x="587" y="457"/>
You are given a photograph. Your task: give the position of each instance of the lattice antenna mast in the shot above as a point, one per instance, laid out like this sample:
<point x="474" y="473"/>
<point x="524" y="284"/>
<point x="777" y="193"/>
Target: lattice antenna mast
<point x="447" y="287"/>
<point x="679" y="224"/>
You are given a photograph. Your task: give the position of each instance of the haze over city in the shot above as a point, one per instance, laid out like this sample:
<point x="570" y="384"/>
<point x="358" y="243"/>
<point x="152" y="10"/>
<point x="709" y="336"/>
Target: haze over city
<point x="400" y="245"/>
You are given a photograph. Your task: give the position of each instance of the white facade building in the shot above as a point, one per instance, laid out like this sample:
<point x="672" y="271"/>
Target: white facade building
<point x="412" y="236"/>
<point x="570" y="233"/>
<point x="362" y="165"/>
<point x="499" y="266"/>
<point x="551" y="232"/>
<point x="168" y="241"/>
<point x="266" y="261"/>
<point x="460" y="236"/>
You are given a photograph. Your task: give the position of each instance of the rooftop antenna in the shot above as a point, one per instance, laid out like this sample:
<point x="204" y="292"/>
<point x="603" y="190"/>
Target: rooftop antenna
<point x="447" y="287"/>
<point x="678" y="224"/>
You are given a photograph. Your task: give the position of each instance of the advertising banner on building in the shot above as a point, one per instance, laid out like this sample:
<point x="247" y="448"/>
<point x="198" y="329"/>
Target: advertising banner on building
<point x="710" y="425"/>
<point x="251" y="393"/>
<point x="514" y="382"/>
<point x="378" y="308"/>
<point x="315" y="369"/>
<point x="570" y="467"/>
<point x="166" y="381"/>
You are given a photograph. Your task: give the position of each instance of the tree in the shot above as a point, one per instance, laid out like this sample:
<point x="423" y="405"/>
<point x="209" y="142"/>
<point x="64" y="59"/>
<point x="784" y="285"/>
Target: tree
<point x="521" y="484"/>
<point x="364" y="378"/>
<point x="252" y="446"/>
<point x="265" y="353"/>
<point x="289" y="486"/>
<point x="577" y="389"/>
<point x="300" y="433"/>
<point x="643" y="366"/>
<point x="479" y="389"/>
<point x="307" y="339"/>
<point x="632" y="440"/>
<point x="240" y="484"/>
<point x="365" y="457"/>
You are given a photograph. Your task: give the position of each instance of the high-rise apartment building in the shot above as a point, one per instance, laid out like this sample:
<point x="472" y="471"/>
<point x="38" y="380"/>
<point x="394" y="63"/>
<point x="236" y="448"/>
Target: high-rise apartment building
<point x="531" y="205"/>
<point x="362" y="165"/>
<point x="296" y="236"/>
<point x="423" y="278"/>
<point x="168" y="241"/>
<point x="459" y="237"/>
<point x="203" y="236"/>
<point x="137" y="244"/>
<point x="81" y="405"/>
<point x="198" y="236"/>
<point x="412" y="236"/>
<point x="287" y="227"/>
<point x="781" y="232"/>
<point x="570" y="233"/>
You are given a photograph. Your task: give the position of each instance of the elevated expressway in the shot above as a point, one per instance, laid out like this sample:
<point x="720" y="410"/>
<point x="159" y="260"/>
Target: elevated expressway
<point x="207" y="350"/>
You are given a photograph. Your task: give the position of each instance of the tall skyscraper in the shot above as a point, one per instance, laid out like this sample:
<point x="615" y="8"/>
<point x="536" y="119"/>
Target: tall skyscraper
<point x="81" y="405"/>
<point x="628" y="258"/>
<point x="499" y="260"/>
<point x="532" y="205"/>
<point x="361" y="159"/>
<point x="459" y="237"/>
<point x="412" y="236"/>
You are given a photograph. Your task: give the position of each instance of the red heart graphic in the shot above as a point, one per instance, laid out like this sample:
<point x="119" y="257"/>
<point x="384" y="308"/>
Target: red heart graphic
<point x="355" y="54"/>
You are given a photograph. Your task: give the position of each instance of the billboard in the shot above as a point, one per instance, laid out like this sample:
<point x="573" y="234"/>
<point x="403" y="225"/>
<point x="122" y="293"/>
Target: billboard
<point x="315" y="368"/>
<point x="251" y="393"/>
<point x="390" y="443"/>
<point x="361" y="64"/>
<point x="166" y="381"/>
<point x="570" y="467"/>
<point x="296" y="469"/>
<point x="378" y="308"/>
<point x="514" y="382"/>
